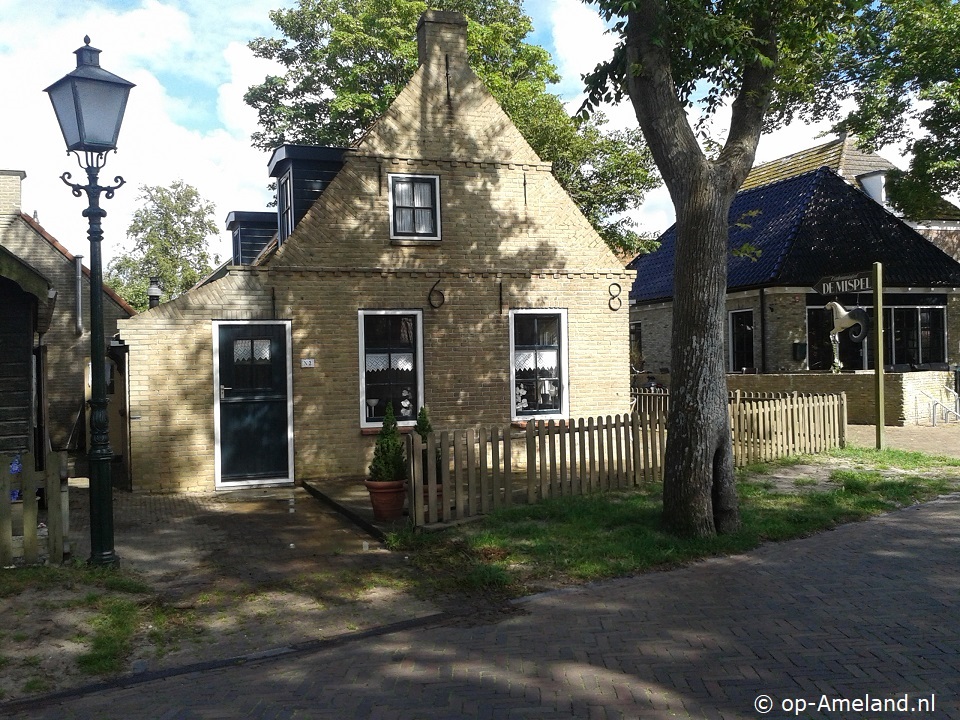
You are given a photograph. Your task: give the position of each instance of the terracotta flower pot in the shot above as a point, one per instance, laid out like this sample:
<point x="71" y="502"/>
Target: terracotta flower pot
<point x="387" y="498"/>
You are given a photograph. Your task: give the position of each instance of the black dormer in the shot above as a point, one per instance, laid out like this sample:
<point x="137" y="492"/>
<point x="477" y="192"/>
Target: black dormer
<point x="251" y="232"/>
<point x="302" y="173"/>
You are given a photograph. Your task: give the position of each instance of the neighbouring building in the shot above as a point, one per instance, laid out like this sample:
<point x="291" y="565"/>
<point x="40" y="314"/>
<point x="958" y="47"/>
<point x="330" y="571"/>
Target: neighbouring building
<point x="868" y="172"/>
<point x="797" y="231"/>
<point x="435" y="263"/>
<point x="45" y="339"/>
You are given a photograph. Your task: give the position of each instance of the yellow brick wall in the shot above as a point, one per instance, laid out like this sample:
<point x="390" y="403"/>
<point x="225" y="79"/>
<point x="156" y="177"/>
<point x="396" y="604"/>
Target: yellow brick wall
<point x="466" y="351"/>
<point x="171" y="381"/>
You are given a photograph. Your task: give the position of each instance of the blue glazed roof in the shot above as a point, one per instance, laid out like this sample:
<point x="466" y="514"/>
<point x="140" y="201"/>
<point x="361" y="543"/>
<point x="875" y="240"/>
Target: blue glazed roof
<point x="807" y="227"/>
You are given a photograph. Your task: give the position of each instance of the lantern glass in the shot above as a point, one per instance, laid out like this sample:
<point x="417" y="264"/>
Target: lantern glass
<point x="89" y="103"/>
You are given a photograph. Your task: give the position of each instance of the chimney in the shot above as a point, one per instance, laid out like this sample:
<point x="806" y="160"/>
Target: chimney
<point x="441" y="37"/>
<point x="10" y="191"/>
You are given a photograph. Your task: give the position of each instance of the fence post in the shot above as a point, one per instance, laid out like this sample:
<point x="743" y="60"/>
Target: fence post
<point x="459" y="446"/>
<point x="592" y="454"/>
<point x="544" y="466"/>
<point x="843" y="419"/>
<point x="482" y="438"/>
<point x="583" y="474"/>
<point x="611" y="450"/>
<point x="472" y="498"/>
<point x="414" y="462"/>
<point x="28" y="485"/>
<point x="507" y="467"/>
<point x="445" y="489"/>
<point x="54" y="511"/>
<point x="6" y="519"/>
<point x="555" y="489"/>
<point x="531" y="463"/>
<point x="495" y="466"/>
<point x="565" y="485"/>
<point x="431" y="472"/>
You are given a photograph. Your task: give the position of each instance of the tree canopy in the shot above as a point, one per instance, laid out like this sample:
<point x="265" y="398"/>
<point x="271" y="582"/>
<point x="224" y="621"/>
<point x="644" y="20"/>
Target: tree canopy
<point x="345" y="62"/>
<point x="901" y="67"/>
<point x="765" y="61"/>
<point x="170" y="233"/>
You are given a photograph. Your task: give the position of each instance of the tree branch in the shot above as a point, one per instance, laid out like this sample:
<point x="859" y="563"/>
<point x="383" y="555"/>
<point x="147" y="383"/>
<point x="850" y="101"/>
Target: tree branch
<point x="750" y="105"/>
<point x="649" y="80"/>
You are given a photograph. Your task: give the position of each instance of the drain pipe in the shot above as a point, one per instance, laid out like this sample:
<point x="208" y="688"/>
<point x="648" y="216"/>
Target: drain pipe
<point x="78" y="276"/>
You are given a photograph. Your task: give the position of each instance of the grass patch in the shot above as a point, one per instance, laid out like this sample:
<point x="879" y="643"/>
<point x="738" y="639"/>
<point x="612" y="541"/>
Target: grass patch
<point x="580" y="539"/>
<point x="113" y="631"/>
<point x="168" y="628"/>
<point x="69" y="576"/>
<point x="890" y="458"/>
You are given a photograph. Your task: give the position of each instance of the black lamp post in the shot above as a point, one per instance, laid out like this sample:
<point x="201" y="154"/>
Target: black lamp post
<point x="89" y="103"/>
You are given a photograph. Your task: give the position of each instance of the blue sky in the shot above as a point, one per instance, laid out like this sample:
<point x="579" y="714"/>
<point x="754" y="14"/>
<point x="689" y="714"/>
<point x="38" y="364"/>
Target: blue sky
<point x="186" y="118"/>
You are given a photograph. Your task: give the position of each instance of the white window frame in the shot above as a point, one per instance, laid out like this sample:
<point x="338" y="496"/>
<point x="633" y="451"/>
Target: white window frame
<point x="361" y="314"/>
<point x="730" y="344"/>
<point x="564" y="412"/>
<point x="285" y="209"/>
<point x="401" y="238"/>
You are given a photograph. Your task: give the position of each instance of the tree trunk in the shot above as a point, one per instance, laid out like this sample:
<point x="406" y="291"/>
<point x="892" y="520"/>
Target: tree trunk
<point x="699" y="491"/>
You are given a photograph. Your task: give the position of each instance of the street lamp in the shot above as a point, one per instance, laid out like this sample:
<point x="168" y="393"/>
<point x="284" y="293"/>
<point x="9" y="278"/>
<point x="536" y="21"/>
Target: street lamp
<point x="89" y="103"/>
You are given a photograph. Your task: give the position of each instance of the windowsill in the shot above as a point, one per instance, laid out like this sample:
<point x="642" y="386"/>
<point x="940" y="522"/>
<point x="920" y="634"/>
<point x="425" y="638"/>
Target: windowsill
<point x="404" y="430"/>
<point x="414" y="241"/>
<point x="523" y="422"/>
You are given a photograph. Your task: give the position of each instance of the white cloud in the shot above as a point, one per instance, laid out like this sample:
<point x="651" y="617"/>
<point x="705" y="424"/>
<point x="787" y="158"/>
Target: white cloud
<point x="141" y="45"/>
<point x="580" y="40"/>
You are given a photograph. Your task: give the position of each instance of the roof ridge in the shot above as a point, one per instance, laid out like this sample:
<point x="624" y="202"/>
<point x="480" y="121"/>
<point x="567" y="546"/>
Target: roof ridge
<point x="70" y="257"/>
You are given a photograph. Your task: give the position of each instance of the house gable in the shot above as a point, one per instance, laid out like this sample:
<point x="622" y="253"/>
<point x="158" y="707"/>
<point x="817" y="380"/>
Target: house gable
<point x="498" y="203"/>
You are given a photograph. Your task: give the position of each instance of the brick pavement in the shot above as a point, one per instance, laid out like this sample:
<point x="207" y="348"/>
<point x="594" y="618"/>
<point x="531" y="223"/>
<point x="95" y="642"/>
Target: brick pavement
<point x="867" y="609"/>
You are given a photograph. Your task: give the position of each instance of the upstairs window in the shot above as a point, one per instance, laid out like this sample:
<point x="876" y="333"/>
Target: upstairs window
<point x="285" y="205"/>
<point x="414" y="207"/>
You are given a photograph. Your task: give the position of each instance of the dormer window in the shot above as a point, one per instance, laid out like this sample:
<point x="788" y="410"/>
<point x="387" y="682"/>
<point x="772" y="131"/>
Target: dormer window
<point x="414" y="207"/>
<point x="285" y="205"/>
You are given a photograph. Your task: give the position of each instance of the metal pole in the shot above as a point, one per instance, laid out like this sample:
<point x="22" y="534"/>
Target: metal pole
<point x="101" y="485"/>
<point x="878" y="352"/>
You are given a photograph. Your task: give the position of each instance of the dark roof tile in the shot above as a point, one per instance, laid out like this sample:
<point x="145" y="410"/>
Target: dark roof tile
<point x="806" y="227"/>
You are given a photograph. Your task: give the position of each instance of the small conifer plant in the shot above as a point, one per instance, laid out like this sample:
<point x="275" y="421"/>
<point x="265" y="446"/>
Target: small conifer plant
<point x="388" y="460"/>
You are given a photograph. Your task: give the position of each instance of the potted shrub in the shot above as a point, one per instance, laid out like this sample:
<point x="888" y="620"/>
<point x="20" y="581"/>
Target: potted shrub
<point x="388" y="471"/>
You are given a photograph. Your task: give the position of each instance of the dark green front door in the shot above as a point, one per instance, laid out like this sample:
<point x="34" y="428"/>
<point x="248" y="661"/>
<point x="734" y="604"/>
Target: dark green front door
<point x="254" y="431"/>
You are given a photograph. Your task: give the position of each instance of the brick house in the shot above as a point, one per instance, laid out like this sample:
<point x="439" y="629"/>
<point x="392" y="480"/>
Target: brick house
<point x="807" y="227"/>
<point x="45" y="338"/>
<point x="436" y="262"/>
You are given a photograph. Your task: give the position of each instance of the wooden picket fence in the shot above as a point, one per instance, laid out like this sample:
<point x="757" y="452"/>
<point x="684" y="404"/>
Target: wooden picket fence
<point x="768" y="426"/>
<point x="476" y="471"/>
<point x="19" y="532"/>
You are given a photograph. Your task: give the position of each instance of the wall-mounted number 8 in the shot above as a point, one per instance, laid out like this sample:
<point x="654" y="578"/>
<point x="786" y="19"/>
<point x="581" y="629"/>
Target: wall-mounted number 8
<point x="615" y="302"/>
